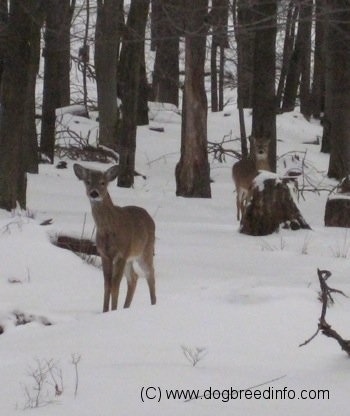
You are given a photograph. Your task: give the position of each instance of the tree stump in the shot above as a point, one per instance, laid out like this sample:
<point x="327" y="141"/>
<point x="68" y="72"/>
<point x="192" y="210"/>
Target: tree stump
<point x="337" y="213"/>
<point x="270" y="206"/>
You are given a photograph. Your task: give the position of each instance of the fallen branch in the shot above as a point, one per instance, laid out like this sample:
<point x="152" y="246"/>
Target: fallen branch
<point x="77" y="245"/>
<point x="323" y="326"/>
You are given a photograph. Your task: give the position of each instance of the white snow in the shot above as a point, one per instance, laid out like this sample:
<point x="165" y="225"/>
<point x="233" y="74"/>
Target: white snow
<point x="248" y="302"/>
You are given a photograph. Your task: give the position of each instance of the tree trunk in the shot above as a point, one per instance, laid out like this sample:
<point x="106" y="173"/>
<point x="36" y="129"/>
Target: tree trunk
<point x="289" y="37"/>
<point x="214" y="75"/>
<point x="107" y="37"/>
<point x="165" y="40"/>
<point x="131" y="58"/>
<point x="3" y="22"/>
<point x="56" y="70"/>
<point x="245" y="53"/>
<point x="299" y="65"/>
<point x="193" y="171"/>
<point x="142" y="101"/>
<point x="30" y="144"/>
<point x="218" y="19"/>
<point x="305" y="92"/>
<point x="14" y="89"/>
<point x="338" y="63"/>
<point x="318" y="83"/>
<point x="264" y="99"/>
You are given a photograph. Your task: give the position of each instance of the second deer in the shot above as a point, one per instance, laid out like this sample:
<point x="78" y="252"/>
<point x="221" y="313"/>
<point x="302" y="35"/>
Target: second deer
<point x="124" y="235"/>
<point x="245" y="170"/>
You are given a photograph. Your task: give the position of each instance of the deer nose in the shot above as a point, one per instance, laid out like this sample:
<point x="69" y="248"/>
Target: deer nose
<point x="94" y="194"/>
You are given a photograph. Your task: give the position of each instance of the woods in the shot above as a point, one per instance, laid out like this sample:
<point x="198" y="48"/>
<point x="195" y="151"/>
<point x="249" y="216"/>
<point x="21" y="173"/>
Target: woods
<point x="280" y="56"/>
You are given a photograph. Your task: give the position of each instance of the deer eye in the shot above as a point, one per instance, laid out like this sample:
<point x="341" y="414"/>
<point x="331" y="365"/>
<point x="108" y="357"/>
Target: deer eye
<point x="102" y="183"/>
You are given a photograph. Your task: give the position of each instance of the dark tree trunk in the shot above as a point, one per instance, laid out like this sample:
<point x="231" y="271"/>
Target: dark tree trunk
<point x="287" y="48"/>
<point x="318" y="83"/>
<point x="142" y="101"/>
<point x="30" y="145"/>
<point x="107" y="37"/>
<point x="305" y="92"/>
<point x="245" y="52"/>
<point x="193" y="171"/>
<point x="264" y="98"/>
<point x="338" y="83"/>
<point x="3" y="22"/>
<point x="214" y="75"/>
<point x="14" y="89"/>
<point x="131" y="58"/>
<point x="299" y="65"/>
<point x="218" y="19"/>
<point x="56" y="69"/>
<point x="165" y="40"/>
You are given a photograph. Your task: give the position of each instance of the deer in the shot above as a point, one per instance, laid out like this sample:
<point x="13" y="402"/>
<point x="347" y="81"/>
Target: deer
<point x="245" y="170"/>
<point x="124" y="236"/>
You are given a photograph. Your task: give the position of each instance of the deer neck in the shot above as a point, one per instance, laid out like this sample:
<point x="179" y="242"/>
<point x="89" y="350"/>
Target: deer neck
<point x="262" y="164"/>
<point x="103" y="211"/>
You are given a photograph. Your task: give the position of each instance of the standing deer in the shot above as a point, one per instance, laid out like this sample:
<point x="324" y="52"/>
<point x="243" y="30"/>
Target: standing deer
<point x="124" y="235"/>
<point x="245" y="170"/>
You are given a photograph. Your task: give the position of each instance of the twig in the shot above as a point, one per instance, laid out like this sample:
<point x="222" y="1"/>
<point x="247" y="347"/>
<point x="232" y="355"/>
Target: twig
<point x="326" y="298"/>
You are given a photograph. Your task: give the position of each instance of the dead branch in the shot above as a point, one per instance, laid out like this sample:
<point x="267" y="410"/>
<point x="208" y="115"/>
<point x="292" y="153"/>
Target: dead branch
<point x="77" y="245"/>
<point x="326" y="298"/>
<point x="219" y="150"/>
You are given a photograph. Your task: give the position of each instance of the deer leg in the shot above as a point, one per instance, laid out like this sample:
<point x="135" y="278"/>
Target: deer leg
<point x="146" y="264"/>
<point x="107" y="274"/>
<point x="238" y="204"/>
<point x="131" y="278"/>
<point x="117" y="275"/>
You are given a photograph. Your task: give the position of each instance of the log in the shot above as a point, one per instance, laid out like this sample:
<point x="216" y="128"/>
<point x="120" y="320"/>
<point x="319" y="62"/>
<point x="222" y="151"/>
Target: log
<point x="337" y="212"/>
<point x="77" y="245"/>
<point x="269" y="207"/>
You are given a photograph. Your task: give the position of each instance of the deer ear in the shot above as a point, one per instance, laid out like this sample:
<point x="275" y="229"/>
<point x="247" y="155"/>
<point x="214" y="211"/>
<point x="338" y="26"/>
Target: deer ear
<point x="112" y="173"/>
<point x="79" y="171"/>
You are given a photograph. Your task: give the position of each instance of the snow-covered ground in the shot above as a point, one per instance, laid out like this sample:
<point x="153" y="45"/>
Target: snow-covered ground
<point x="241" y="305"/>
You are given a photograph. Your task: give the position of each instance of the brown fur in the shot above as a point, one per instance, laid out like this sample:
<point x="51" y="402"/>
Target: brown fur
<point x="245" y="170"/>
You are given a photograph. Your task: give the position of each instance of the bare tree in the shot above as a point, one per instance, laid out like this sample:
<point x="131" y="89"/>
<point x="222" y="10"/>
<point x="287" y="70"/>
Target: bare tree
<point x="338" y="86"/>
<point x="192" y="171"/>
<point x="107" y="38"/>
<point x="264" y="99"/>
<point x="318" y="83"/>
<point x="299" y="65"/>
<point x="218" y="19"/>
<point x="14" y="87"/>
<point x="57" y="69"/>
<point x="165" y="41"/>
<point x="131" y="59"/>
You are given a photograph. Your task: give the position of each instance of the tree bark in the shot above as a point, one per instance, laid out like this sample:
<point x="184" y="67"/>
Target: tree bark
<point x="218" y="19"/>
<point x="165" y="40"/>
<point x="14" y="89"/>
<point x="318" y="83"/>
<point x="30" y="144"/>
<point x="264" y="98"/>
<point x="245" y="52"/>
<point x="193" y="171"/>
<point x="288" y="45"/>
<point x="299" y="66"/>
<point x="107" y="38"/>
<point x="338" y="85"/>
<point x="131" y="58"/>
<point x="56" y="70"/>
